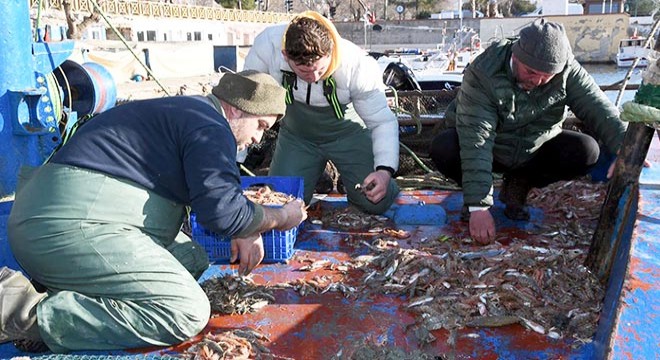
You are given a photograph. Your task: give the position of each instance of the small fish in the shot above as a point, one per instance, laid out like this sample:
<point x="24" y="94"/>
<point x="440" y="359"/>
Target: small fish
<point x="537" y="249"/>
<point x="259" y="304"/>
<point x="493" y="321"/>
<point x="417" y="275"/>
<point x="369" y="276"/>
<point x="316" y="265"/>
<point x="481" y="254"/>
<point x="370" y="186"/>
<point x="554" y="335"/>
<point x="482" y="309"/>
<point x="532" y="325"/>
<point x="421" y="301"/>
<point x="392" y="268"/>
<point x="484" y="272"/>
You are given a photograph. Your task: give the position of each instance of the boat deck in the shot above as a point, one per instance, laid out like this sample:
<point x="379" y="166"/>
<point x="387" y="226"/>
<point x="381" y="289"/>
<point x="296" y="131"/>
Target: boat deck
<point x="341" y="325"/>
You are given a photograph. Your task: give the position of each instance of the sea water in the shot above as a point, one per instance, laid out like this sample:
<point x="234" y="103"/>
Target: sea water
<point x="608" y="74"/>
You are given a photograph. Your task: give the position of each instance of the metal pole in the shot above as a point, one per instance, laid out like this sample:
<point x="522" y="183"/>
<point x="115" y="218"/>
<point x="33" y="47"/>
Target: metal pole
<point x="460" y="15"/>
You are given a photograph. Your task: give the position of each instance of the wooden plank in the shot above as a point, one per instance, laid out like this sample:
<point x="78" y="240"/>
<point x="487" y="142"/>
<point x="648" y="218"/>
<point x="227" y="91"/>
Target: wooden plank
<point x="622" y="191"/>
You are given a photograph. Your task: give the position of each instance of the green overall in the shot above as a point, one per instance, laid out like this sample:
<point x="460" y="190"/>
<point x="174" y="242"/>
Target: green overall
<point x="310" y="136"/>
<point x="119" y="272"/>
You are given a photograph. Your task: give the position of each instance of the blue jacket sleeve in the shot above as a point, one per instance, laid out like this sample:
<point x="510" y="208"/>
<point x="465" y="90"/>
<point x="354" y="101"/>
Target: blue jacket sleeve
<point x="213" y="178"/>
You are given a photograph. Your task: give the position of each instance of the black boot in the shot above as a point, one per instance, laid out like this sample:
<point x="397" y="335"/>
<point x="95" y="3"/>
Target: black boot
<point x="18" y="310"/>
<point x="514" y="195"/>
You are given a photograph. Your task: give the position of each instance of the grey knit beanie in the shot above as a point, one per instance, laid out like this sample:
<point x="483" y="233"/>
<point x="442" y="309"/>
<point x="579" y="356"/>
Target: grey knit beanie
<point x="543" y="46"/>
<point x="253" y="92"/>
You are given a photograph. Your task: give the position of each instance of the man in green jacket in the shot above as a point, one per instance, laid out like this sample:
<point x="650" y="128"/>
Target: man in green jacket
<point x="508" y="119"/>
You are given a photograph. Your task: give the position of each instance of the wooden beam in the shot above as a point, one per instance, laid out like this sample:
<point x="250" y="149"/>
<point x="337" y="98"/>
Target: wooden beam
<point x="621" y="193"/>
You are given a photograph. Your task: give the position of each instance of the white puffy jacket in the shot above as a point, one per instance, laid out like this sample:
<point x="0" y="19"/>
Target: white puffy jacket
<point x="359" y="80"/>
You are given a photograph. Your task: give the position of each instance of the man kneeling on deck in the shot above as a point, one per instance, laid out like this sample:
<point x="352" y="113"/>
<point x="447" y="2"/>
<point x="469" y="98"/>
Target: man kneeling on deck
<point x="99" y="225"/>
<point x="336" y="110"/>
<point x="509" y="114"/>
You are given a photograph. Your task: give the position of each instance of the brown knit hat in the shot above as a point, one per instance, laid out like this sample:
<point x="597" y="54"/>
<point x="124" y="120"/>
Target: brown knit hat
<point x="543" y="46"/>
<point x="253" y="92"/>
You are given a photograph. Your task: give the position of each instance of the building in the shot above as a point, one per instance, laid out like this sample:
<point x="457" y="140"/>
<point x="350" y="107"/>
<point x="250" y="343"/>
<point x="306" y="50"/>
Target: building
<point x="603" y="6"/>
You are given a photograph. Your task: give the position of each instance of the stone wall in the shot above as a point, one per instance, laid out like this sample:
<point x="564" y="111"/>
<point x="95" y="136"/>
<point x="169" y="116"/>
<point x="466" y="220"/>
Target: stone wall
<point x="594" y="38"/>
<point x="404" y="33"/>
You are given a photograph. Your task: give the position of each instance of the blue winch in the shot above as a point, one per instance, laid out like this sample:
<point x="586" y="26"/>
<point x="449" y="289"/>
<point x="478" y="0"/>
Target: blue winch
<point x="41" y="93"/>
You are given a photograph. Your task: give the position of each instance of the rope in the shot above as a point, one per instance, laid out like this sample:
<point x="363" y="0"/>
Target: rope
<point x="55" y="96"/>
<point x="247" y="171"/>
<point x="68" y="88"/>
<point x="416" y="158"/>
<point x="37" y="21"/>
<point x="395" y="94"/>
<point x="634" y="112"/>
<point x="123" y="40"/>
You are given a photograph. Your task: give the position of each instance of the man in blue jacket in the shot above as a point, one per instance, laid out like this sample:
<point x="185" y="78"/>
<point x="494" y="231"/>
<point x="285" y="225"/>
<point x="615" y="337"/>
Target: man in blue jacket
<point x="99" y="225"/>
<point x="509" y="114"/>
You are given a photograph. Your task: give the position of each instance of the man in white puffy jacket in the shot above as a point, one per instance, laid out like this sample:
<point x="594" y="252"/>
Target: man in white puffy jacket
<point x="336" y="110"/>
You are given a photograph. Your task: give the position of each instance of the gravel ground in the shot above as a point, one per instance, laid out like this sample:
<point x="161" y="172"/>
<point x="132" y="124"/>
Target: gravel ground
<point x="145" y="89"/>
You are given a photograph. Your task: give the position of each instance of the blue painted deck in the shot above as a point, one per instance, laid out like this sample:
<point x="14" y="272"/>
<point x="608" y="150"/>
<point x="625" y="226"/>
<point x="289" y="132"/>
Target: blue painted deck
<point x="637" y="320"/>
<point x="293" y="319"/>
<point x="320" y="326"/>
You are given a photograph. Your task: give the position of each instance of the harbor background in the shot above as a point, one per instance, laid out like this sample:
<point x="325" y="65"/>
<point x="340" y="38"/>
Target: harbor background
<point x="603" y="74"/>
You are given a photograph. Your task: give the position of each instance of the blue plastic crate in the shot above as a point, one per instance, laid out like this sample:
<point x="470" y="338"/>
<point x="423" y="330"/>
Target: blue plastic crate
<point x="278" y="245"/>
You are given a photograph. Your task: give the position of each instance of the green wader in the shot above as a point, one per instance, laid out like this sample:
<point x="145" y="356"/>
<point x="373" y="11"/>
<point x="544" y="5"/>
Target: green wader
<point x="310" y="136"/>
<point x="119" y="272"/>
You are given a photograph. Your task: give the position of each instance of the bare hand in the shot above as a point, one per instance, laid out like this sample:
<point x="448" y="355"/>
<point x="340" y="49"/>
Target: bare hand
<point x="610" y="170"/>
<point x="295" y="214"/>
<point x="250" y="250"/>
<point x="482" y="226"/>
<point x="375" y="185"/>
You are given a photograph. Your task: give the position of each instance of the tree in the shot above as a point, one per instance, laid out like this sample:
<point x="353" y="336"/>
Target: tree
<point x="75" y="29"/>
<point x="261" y="5"/>
<point x="505" y="7"/>
<point x="642" y="7"/>
<point x="515" y="7"/>
<point x="237" y="4"/>
<point x="425" y="7"/>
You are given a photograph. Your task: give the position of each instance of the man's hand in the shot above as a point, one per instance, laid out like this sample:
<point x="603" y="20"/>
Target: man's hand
<point x="610" y="170"/>
<point x="375" y="185"/>
<point x="250" y="250"/>
<point x="482" y="226"/>
<point x="295" y="213"/>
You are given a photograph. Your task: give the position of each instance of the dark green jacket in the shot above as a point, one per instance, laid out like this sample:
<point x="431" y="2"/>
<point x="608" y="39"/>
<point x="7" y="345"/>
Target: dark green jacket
<point x="495" y="119"/>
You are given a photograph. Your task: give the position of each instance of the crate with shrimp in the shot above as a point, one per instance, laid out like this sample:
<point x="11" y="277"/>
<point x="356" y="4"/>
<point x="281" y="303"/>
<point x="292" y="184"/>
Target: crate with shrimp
<point x="270" y="191"/>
